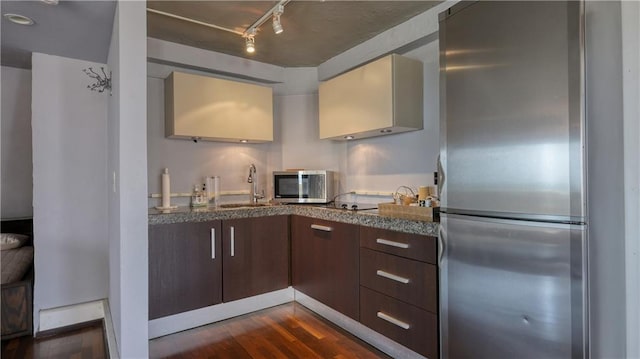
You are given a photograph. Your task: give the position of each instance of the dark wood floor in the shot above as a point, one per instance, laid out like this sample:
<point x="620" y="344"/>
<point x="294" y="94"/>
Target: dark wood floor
<point x="85" y="343"/>
<point x="285" y="331"/>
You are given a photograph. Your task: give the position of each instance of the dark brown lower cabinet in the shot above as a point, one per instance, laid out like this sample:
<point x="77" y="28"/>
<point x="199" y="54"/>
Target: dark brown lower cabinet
<point x="185" y="267"/>
<point x="255" y="256"/>
<point x="399" y="287"/>
<point x="325" y="259"/>
<point x="415" y="328"/>
<point x="410" y="281"/>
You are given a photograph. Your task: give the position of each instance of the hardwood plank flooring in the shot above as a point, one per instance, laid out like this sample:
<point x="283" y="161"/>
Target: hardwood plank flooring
<point x="286" y="331"/>
<point x="85" y="343"/>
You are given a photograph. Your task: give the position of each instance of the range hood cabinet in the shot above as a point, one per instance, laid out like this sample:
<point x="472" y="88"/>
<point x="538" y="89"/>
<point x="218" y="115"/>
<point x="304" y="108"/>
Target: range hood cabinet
<point x="207" y="108"/>
<point x="380" y="98"/>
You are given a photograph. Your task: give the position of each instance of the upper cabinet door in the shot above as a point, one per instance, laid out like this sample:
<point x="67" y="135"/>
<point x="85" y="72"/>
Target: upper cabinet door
<point x="382" y="97"/>
<point x="200" y="107"/>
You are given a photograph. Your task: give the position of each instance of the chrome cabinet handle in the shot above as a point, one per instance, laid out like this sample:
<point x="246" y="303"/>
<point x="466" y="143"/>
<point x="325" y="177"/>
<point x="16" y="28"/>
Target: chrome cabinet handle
<point x="213" y="243"/>
<point x="393" y="320"/>
<point x="321" y="228"/>
<point x="392" y="243"/>
<point x="391" y="276"/>
<point x="232" y="233"/>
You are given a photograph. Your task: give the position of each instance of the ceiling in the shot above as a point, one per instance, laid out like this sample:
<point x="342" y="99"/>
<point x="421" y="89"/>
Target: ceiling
<point x="76" y="29"/>
<point x="314" y="31"/>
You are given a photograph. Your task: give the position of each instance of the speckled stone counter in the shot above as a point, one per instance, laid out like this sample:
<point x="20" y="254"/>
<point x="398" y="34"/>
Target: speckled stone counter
<point x="365" y="218"/>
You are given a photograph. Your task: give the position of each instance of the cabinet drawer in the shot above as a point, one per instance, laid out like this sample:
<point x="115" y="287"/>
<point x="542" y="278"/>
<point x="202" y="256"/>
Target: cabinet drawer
<point x="412" y="327"/>
<point x="414" y="246"/>
<point x="410" y="281"/>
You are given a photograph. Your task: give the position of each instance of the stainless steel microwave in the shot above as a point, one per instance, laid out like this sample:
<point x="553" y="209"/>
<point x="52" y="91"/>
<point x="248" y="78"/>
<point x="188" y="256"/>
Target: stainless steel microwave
<point x="305" y="186"/>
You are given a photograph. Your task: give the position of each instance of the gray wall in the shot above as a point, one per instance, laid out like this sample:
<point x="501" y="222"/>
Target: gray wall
<point x="69" y="184"/>
<point x="16" y="182"/>
<point x="631" y="90"/>
<point x="127" y="172"/>
<point x="605" y="163"/>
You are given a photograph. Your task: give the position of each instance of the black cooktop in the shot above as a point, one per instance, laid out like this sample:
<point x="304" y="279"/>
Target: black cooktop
<point x="352" y="206"/>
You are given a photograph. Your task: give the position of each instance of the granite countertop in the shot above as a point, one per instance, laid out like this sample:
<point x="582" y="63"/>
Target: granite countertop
<point x="365" y="217"/>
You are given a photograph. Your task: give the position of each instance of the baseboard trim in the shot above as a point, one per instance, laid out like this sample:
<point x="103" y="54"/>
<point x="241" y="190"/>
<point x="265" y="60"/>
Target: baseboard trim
<point x="368" y="335"/>
<point x="109" y="333"/>
<point x="67" y="316"/>
<point x="199" y="317"/>
<point x="69" y="328"/>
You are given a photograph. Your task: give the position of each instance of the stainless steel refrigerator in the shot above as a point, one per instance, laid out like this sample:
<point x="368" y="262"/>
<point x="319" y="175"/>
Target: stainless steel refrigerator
<point x="513" y="216"/>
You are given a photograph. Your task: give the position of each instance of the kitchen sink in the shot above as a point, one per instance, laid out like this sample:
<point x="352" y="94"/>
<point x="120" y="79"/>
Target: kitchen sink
<point x="243" y="205"/>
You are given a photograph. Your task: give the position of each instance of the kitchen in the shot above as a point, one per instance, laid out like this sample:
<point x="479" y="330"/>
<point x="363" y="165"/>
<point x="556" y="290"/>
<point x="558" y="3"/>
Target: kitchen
<point x="379" y="163"/>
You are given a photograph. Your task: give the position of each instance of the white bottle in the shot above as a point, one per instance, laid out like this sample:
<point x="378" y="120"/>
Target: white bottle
<point x="166" y="189"/>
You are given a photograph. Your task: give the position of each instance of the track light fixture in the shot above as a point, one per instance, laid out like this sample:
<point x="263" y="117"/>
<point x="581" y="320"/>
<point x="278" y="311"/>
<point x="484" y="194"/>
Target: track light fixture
<point x="277" y="25"/>
<point x="250" y="44"/>
<point x="249" y="34"/>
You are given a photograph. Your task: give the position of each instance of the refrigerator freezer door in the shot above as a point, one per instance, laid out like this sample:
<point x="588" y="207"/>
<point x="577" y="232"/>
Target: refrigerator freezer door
<point x="512" y="289"/>
<point x="512" y="109"/>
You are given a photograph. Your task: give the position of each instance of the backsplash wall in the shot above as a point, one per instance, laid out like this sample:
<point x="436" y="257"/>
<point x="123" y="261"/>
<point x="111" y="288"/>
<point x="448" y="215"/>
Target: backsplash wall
<point x="190" y="162"/>
<point x="379" y="164"/>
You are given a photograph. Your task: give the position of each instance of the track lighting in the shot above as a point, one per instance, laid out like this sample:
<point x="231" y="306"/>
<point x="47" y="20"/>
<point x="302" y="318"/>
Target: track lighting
<point x="277" y="25"/>
<point x="249" y="34"/>
<point x="250" y="44"/>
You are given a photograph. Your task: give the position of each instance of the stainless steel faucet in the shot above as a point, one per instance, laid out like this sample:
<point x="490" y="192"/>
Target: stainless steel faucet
<point x="255" y="196"/>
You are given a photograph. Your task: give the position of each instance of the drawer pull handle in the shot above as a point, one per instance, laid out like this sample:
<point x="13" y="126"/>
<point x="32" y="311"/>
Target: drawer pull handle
<point x="213" y="243"/>
<point x="393" y="320"/>
<point x="233" y="241"/>
<point x="388" y="275"/>
<point x="321" y="228"/>
<point x="391" y="243"/>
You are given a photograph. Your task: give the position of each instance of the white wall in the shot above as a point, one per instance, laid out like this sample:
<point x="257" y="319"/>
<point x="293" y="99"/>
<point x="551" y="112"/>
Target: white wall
<point x="69" y="184"/>
<point x="631" y="88"/>
<point x="16" y="173"/>
<point x="386" y="162"/>
<point x="127" y="166"/>
<point x="378" y="164"/>
<point x="190" y="162"/>
<point x="301" y="146"/>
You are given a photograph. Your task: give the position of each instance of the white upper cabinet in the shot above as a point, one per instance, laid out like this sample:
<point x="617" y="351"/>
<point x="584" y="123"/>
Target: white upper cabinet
<point x="206" y="108"/>
<point x="379" y="98"/>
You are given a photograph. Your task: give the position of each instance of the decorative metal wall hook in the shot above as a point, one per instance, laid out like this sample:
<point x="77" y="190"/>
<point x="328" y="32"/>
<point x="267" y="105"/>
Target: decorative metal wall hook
<point x="103" y="82"/>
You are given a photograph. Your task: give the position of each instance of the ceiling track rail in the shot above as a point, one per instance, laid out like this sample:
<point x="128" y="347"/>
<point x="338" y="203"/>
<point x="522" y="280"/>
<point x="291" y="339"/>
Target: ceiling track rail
<point x="250" y="31"/>
<point x="213" y="26"/>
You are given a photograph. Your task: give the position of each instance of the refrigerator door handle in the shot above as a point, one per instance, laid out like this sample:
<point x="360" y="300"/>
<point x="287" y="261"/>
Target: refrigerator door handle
<point x="440" y="178"/>
<point x="440" y="244"/>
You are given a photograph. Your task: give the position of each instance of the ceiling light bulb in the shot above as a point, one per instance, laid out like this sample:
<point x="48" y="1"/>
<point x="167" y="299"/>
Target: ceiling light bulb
<point x="50" y="2"/>
<point x="19" y="19"/>
<point x="277" y="26"/>
<point x="250" y="44"/>
<point x="349" y="137"/>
